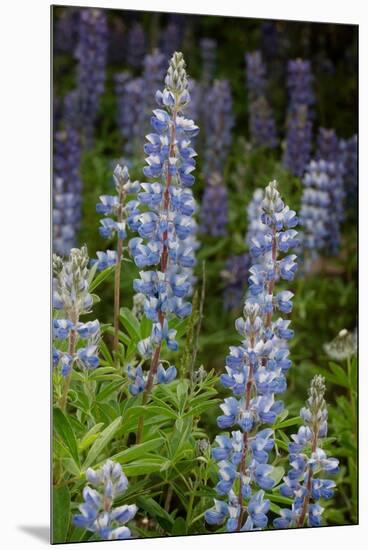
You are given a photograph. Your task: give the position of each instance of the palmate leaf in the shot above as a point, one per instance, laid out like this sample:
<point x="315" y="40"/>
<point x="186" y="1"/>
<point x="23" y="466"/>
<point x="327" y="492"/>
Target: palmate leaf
<point x="131" y="324"/>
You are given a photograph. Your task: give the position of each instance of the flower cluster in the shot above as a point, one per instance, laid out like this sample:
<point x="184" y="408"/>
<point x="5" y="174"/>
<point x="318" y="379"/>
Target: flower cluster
<point x="219" y="121"/>
<point x="262" y="126"/>
<point x="299" y="119"/>
<point x="307" y="461"/>
<point x="67" y="190"/>
<point x="214" y="211"/>
<point x="298" y="141"/>
<point x="323" y="194"/>
<point x="136" y="45"/>
<point x="71" y="296"/>
<point x="98" y="513"/>
<point x="255" y="372"/>
<point x="235" y="276"/>
<point x="165" y="223"/>
<point x="300" y="84"/>
<point x="91" y="54"/>
<point x="116" y="212"/>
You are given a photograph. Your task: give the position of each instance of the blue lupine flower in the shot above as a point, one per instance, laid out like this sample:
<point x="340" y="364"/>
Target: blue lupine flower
<point x="262" y="127"/>
<point x="97" y="512"/>
<point x="323" y="193"/>
<point x="300" y="83"/>
<point x="165" y="225"/>
<point x="122" y="211"/>
<point x="308" y="460"/>
<point x="72" y="297"/>
<point x="129" y="93"/>
<point x="62" y="328"/>
<point x="91" y="54"/>
<point x="255" y="372"/>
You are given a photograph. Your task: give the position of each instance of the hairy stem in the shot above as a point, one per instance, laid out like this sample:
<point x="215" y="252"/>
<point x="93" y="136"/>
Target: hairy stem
<point x="117" y="282"/>
<point x="71" y="351"/>
<point x="307" y="497"/>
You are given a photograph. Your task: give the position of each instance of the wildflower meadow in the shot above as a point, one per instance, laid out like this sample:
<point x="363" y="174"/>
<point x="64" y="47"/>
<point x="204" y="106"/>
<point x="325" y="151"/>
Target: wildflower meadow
<point x="204" y="330"/>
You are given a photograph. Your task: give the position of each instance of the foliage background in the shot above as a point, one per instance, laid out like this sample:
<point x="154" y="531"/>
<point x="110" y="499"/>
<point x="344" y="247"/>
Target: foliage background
<point x="325" y="301"/>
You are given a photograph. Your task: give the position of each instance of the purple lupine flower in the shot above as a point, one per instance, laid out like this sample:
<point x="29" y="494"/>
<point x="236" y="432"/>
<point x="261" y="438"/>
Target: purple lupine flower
<point x="327" y="145"/>
<point x="349" y="155"/>
<point x="91" y="54"/>
<point x="165" y="224"/>
<point x="255" y="373"/>
<point x="67" y="187"/>
<point x="129" y="92"/>
<point x="270" y="39"/>
<point x="135" y="97"/>
<point x="262" y="126"/>
<point x="323" y="195"/>
<point x="300" y="84"/>
<point x="235" y="277"/>
<point x="172" y="35"/>
<point x="66" y="30"/>
<point x="304" y="483"/>
<point x="214" y="209"/>
<point x="299" y="117"/>
<point x="298" y="141"/>
<point x="256" y="75"/>
<point x="99" y="513"/>
<point x="136" y="45"/>
<point x="219" y="121"/>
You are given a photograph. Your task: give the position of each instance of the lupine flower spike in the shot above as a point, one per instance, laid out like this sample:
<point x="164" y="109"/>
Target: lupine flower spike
<point x="98" y="513"/>
<point x="255" y="373"/>
<point x="166" y="227"/>
<point x="308" y="461"/>
<point x="116" y="207"/>
<point x="262" y="127"/>
<point x="299" y="117"/>
<point x="72" y="297"/>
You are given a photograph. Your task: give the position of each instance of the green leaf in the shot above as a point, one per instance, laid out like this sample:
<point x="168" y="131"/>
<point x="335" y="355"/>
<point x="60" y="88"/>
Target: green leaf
<point x="108" y="390"/>
<point x="103" y="440"/>
<point x="179" y="527"/>
<point x="100" y="278"/>
<point x="90" y="436"/>
<point x="144" y="466"/>
<point x="154" y="509"/>
<point x="137" y="451"/>
<point x="287" y="423"/>
<point x="340" y="374"/>
<point x="130" y="322"/>
<point x="60" y="514"/>
<point x="64" y="430"/>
